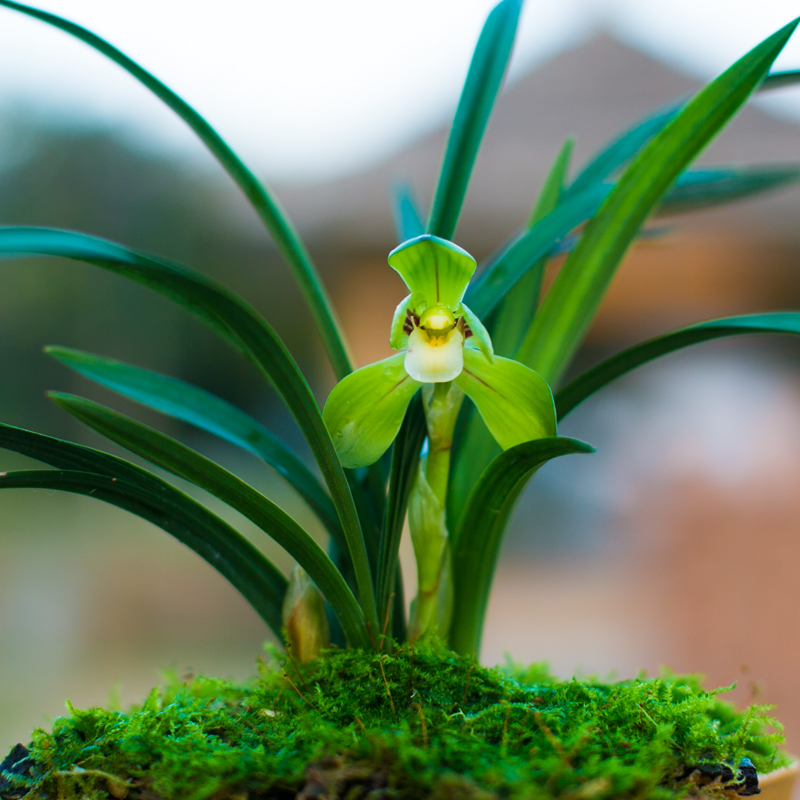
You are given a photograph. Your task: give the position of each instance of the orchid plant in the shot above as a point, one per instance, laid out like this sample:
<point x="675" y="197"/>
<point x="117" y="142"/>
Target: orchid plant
<point x="395" y="439"/>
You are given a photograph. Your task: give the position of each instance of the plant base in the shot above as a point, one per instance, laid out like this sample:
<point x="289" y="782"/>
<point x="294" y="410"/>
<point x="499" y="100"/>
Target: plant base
<point x="419" y="723"/>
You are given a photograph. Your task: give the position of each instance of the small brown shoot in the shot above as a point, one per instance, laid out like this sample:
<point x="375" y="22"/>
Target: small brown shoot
<point x="386" y="684"/>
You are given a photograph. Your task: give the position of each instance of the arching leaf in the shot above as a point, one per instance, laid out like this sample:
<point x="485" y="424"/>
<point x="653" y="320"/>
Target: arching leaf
<point x="612" y="368"/>
<point x="242" y="327"/>
<point x="114" y="480"/>
<point x="477" y="541"/>
<point x="265" y="205"/>
<point x="171" y="455"/>
<point x="208" y="412"/>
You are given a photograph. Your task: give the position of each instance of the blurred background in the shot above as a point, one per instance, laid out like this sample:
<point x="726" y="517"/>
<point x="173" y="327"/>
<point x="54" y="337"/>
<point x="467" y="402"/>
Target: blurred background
<point x="674" y="545"/>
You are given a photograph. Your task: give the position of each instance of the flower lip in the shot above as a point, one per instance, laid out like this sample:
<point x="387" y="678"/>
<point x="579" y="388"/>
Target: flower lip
<point x="434" y="359"/>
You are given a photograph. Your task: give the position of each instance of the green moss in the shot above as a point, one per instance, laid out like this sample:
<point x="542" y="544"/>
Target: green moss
<point x="421" y="722"/>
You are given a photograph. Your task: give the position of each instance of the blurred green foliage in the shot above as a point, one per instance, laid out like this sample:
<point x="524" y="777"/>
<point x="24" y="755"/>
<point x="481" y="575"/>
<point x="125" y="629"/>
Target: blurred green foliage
<point x="101" y="182"/>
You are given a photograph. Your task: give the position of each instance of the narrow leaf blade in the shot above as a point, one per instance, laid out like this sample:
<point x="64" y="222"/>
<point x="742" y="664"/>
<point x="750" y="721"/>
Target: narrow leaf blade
<point x="577" y="291"/>
<point x="612" y="368"/>
<point x="515" y="314"/>
<point x="242" y="327"/>
<point x="778" y="80"/>
<point x="171" y="455"/>
<point x="623" y="148"/>
<point x="485" y="76"/>
<point x="703" y="188"/>
<point x="264" y="203"/>
<point x="208" y="412"/>
<point x="408" y="222"/>
<point x="520" y="255"/>
<point x="121" y="483"/>
<point x="405" y="460"/>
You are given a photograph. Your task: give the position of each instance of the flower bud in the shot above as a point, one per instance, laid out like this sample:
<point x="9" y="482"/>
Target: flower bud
<point x="304" y="617"/>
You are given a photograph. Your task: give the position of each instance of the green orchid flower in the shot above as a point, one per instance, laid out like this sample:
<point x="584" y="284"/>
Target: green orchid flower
<point x="441" y="341"/>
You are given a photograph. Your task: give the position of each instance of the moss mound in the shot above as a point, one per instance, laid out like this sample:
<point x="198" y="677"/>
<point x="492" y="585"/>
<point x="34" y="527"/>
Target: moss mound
<point x="421" y="723"/>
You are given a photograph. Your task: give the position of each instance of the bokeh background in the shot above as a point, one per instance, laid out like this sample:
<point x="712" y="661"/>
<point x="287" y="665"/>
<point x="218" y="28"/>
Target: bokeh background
<point x="677" y="544"/>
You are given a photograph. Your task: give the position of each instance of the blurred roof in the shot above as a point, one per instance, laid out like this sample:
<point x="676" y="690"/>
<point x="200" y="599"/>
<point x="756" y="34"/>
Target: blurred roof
<point x="591" y="92"/>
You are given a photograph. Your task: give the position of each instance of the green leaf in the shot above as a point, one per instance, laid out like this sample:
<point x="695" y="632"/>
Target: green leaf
<point x="405" y="460"/>
<point x="264" y="203"/>
<point x="778" y="80"/>
<point x="436" y="269"/>
<point x="514" y="402"/>
<point x="524" y="252"/>
<point x="365" y="410"/>
<point x="477" y="542"/>
<point x="624" y="147"/>
<point x="515" y="313"/>
<point x="701" y="188"/>
<point x="171" y="455"/>
<point x="242" y="327"/>
<point x="483" y="82"/>
<point x="612" y="368"/>
<point x="407" y="220"/>
<point x="475" y="447"/>
<point x="576" y="293"/>
<point x="123" y="484"/>
<point x="209" y="413"/>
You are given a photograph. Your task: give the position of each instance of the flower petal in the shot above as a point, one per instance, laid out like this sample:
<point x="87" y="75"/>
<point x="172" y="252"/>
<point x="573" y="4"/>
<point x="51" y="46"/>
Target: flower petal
<point x="479" y="332"/>
<point x="364" y="411"/>
<point x="398" y="337"/>
<point x="434" y="363"/>
<point x="439" y="269"/>
<point x="515" y="402"/>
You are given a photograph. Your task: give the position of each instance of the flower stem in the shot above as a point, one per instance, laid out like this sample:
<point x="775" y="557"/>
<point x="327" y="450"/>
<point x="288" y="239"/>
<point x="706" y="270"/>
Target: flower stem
<point x="442" y="402"/>
<point x="426" y="518"/>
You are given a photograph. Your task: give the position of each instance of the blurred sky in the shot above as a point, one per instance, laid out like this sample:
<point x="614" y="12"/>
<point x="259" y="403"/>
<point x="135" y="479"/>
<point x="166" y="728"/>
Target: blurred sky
<point x="314" y="88"/>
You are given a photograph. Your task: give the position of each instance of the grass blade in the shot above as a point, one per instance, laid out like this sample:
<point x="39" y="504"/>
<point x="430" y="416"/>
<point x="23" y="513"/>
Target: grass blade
<point x="477" y="542"/>
<point x="576" y="293"/>
<point x="208" y="412"/>
<point x="612" y="368"/>
<point x="485" y="76"/>
<point x="264" y="203"/>
<point x="184" y="462"/>
<point x="702" y="188"/>
<point x="142" y="493"/>
<point x="405" y="459"/>
<point x="242" y="327"/>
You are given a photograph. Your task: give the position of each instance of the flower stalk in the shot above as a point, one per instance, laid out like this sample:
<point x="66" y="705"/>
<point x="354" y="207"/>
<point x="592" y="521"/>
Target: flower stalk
<point x="427" y="519"/>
